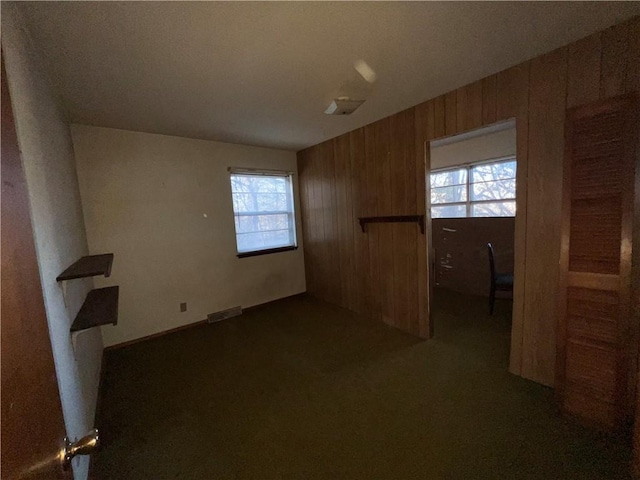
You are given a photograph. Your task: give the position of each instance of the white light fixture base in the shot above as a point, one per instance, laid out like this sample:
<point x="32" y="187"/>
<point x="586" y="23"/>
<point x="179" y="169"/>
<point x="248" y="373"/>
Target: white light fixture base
<point x="343" y="106"/>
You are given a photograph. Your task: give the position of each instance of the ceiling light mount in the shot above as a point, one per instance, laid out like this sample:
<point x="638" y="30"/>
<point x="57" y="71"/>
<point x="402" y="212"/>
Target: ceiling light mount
<point x="343" y="106"/>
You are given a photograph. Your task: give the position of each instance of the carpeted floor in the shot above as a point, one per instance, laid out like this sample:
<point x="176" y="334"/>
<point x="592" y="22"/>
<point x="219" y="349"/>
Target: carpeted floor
<point x="299" y="389"/>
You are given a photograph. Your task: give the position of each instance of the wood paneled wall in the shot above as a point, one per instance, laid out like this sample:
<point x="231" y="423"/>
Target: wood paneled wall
<point x="380" y="170"/>
<point x="461" y="257"/>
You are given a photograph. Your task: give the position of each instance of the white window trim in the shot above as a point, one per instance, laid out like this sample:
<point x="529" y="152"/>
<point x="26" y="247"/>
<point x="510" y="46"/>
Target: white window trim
<point x="468" y="203"/>
<point x="290" y="212"/>
<point x="259" y="171"/>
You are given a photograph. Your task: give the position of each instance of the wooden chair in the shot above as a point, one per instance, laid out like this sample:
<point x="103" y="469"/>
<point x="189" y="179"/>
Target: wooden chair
<point x="499" y="281"/>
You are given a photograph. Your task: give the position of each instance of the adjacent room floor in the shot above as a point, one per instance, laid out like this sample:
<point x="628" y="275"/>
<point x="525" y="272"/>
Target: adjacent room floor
<point x="299" y="389"/>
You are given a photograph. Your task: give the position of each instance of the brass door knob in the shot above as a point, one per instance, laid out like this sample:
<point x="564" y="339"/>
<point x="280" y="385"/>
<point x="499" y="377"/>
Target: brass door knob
<point x="85" y="446"/>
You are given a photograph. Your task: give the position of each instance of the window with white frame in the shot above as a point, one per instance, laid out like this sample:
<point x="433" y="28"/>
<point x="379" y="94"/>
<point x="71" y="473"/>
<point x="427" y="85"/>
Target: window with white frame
<point x="264" y="211"/>
<point x="485" y="189"/>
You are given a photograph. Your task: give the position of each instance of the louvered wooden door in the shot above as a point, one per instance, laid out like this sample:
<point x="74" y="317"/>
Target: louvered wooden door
<point x="596" y="332"/>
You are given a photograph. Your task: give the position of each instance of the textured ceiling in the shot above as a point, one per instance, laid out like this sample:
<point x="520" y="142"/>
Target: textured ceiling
<point x="263" y="73"/>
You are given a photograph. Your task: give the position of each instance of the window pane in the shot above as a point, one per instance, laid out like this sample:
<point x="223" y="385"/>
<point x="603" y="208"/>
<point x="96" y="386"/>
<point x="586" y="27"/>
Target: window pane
<point x="263" y="208"/>
<point x="259" y="183"/>
<point x="495" y="190"/>
<point x="261" y="223"/>
<point x="494" y="209"/>
<point x="449" y="211"/>
<point x="493" y="171"/>
<point x="249" y="242"/>
<point x="449" y="194"/>
<point x="448" y="178"/>
<point x="259" y="202"/>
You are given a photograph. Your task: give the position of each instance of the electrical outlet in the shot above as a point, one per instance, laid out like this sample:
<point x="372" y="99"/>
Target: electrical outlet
<point x="183" y="307"/>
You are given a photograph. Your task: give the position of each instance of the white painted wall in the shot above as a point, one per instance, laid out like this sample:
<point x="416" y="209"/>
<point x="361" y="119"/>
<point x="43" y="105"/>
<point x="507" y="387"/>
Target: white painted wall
<point x="145" y="197"/>
<point x="487" y="143"/>
<point x="47" y="155"/>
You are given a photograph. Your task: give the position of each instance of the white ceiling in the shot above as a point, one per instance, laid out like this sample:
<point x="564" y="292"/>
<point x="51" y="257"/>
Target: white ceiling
<point x="263" y="73"/>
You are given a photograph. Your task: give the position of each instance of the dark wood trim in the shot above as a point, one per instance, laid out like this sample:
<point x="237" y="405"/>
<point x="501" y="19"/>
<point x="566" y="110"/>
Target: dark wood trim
<point x="419" y="219"/>
<point x="267" y="251"/>
<point x="194" y="324"/>
<point x="154" y="335"/>
<point x="270" y="302"/>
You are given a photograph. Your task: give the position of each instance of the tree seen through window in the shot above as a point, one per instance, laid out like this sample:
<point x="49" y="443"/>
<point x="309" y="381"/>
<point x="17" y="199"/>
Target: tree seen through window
<point x="480" y="190"/>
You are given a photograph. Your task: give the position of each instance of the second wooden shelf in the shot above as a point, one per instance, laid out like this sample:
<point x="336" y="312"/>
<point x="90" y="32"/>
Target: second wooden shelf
<point x="99" y="308"/>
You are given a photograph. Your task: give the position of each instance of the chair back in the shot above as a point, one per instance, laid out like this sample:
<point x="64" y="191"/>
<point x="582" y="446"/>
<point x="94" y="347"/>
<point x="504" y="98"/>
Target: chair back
<point x="492" y="266"/>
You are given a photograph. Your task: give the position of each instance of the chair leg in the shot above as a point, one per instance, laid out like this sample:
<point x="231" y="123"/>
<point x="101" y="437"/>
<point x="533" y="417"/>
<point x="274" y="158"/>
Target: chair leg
<point x="492" y="300"/>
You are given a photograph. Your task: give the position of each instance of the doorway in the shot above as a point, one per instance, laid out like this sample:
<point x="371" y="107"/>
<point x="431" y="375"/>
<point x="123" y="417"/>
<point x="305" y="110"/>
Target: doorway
<point x="472" y="205"/>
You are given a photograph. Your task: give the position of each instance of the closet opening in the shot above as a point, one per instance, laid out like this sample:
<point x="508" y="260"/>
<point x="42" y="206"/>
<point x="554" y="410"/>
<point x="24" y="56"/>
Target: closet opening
<point x="471" y="195"/>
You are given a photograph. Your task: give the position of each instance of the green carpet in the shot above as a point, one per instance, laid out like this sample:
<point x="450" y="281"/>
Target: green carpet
<point x="299" y="389"/>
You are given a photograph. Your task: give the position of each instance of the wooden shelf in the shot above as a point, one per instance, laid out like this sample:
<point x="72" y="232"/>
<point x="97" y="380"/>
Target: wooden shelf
<point x="419" y="219"/>
<point x="89" y="266"/>
<point x="99" y="308"/>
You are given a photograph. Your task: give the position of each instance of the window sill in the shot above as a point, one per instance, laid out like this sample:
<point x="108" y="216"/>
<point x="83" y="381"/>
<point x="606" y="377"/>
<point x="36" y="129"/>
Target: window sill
<point x="266" y="252"/>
